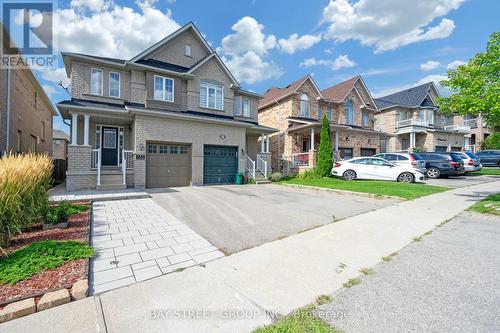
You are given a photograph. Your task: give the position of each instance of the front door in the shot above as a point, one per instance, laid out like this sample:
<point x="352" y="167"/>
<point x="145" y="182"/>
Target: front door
<point x="109" y="146"/>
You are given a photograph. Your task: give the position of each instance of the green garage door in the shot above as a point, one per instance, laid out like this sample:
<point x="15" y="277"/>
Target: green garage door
<point x="220" y="165"/>
<point x="168" y="165"/>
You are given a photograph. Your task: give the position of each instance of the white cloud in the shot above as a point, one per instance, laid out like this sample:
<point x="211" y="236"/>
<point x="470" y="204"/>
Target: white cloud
<point x="117" y="31"/>
<point x="328" y="51"/>
<point x="455" y="64"/>
<point x="245" y="51"/>
<point x="295" y="43"/>
<point x="55" y="75"/>
<point x="251" y="68"/>
<point x="430" y="65"/>
<point x="49" y="90"/>
<point x="342" y="61"/>
<point x="388" y="24"/>
<point x="248" y="36"/>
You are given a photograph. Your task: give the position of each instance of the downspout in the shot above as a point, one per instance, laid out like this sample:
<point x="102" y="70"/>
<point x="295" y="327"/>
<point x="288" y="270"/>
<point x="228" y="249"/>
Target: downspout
<point x="7" y="141"/>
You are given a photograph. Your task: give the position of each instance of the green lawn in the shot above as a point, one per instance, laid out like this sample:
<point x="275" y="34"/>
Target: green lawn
<point x="487" y="171"/>
<point x="40" y="256"/>
<point x="489" y="205"/>
<point x="377" y="187"/>
<point x="302" y="321"/>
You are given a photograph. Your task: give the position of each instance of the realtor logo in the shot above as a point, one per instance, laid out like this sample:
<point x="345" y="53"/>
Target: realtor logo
<point x="27" y="33"/>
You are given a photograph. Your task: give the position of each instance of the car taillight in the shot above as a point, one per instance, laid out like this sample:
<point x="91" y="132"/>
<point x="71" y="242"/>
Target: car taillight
<point x="471" y="162"/>
<point x="454" y="164"/>
<point x="413" y="162"/>
<point x="336" y="165"/>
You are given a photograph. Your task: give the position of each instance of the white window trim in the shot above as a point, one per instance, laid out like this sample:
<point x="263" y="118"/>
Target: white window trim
<point x="301" y="111"/>
<point x="164" y="90"/>
<point x="119" y="84"/>
<point x="238" y="111"/>
<point x="206" y="85"/>
<point x="102" y="81"/>
<point x="190" y="50"/>
<point x="249" y="107"/>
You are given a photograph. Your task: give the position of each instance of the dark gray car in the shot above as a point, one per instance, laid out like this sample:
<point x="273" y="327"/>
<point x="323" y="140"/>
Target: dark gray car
<point x="489" y="157"/>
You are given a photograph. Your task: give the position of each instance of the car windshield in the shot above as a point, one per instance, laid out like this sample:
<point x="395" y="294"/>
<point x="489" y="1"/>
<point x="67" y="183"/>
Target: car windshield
<point x="471" y="154"/>
<point x="417" y="157"/>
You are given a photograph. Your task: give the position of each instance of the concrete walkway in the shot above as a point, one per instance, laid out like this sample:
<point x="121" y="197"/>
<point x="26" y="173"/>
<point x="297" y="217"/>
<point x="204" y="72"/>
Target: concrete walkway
<point x="60" y="194"/>
<point x="276" y="277"/>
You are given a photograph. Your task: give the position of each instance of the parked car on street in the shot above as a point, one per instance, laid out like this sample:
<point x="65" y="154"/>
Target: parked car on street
<point x="471" y="161"/>
<point x="411" y="159"/>
<point x="442" y="164"/>
<point x="376" y="168"/>
<point x="489" y="157"/>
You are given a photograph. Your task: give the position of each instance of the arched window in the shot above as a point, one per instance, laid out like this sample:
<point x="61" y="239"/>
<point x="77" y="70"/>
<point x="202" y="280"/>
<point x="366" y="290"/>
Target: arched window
<point x="304" y="105"/>
<point x="350" y="112"/>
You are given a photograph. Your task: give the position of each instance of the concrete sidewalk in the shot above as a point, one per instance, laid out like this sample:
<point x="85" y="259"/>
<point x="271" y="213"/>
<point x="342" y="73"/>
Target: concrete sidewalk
<point x="278" y="277"/>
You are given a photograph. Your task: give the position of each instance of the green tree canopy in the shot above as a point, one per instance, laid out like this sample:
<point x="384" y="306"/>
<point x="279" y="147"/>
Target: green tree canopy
<point x="325" y="153"/>
<point x="476" y="86"/>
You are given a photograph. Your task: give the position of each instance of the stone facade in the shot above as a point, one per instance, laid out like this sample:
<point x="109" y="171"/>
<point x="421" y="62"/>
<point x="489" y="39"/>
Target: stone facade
<point x="59" y="149"/>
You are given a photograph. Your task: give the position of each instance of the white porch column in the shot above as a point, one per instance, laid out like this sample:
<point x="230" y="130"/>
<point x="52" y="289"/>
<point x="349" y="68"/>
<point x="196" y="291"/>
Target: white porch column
<point x="412" y="140"/>
<point x="312" y="138"/>
<point x="74" y="128"/>
<point x="262" y="143"/>
<point x="86" y="129"/>
<point x="336" y="140"/>
<point x="267" y="143"/>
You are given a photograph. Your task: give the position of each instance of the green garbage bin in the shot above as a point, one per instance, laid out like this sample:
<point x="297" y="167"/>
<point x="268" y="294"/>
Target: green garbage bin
<point x="239" y="179"/>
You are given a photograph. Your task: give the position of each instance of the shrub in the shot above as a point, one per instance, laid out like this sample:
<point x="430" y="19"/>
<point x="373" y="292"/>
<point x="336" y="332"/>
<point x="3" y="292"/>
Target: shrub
<point x="60" y="213"/>
<point x="24" y="182"/>
<point x="491" y="142"/>
<point x="275" y="177"/>
<point x="309" y="174"/>
<point x="325" y="153"/>
<point x="419" y="150"/>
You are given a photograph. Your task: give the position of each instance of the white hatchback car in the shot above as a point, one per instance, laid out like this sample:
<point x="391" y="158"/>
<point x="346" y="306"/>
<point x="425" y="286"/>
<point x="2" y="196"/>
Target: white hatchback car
<point x="376" y="168"/>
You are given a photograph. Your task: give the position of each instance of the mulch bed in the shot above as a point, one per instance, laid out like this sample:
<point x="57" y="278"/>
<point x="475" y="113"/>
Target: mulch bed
<point x="61" y="277"/>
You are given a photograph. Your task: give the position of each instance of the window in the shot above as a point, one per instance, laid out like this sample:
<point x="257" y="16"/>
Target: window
<point x="350" y="112"/>
<point x="383" y="145"/>
<point x="211" y="95"/>
<point x="33" y="144"/>
<point x="404" y="144"/>
<point x="378" y="161"/>
<point x="304" y="106"/>
<point x="19" y="136"/>
<point x="362" y="161"/>
<point x="320" y="113"/>
<point x="114" y="84"/>
<point x="58" y="142"/>
<point x="152" y="149"/>
<point x="43" y="131"/>
<point x="96" y="81"/>
<point x="421" y="115"/>
<point x="164" y="89"/>
<point x="368" y="151"/>
<point x="305" y="145"/>
<point x="174" y="150"/>
<point x="365" y="119"/>
<point x="329" y="113"/>
<point x="183" y="150"/>
<point x="237" y="106"/>
<point x="345" y="153"/>
<point x="187" y="50"/>
<point x="98" y="137"/>
<point x="35" y="99"/>
<point x="109" y="138"/>
<point x="246" y="107"/>
<point x="163" y="149"/>
<point x="431" y="117"/>
<point x="403" y="115"/>
<point x="391" y="157"/>
<point x="442" y="149"/>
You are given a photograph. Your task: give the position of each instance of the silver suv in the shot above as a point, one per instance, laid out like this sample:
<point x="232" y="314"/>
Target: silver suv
<point x="412" y="159"/>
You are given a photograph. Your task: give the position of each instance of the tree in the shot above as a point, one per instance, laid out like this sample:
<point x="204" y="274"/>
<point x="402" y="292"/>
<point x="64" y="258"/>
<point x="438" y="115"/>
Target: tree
<point x="476" y="86"/>
<point x="325" y="153"/>
<point x="492" y="141"/>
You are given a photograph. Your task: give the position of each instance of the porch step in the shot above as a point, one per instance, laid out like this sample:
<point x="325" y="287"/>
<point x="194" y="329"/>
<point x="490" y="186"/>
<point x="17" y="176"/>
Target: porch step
<point x="104" y="187"/>
<point x="262" y="181"/>
<point x="111" y="178"/>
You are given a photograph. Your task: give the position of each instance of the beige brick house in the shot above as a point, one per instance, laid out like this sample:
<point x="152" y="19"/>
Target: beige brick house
<point x="60" y="141"/>
<point x="171" y="116"/>
<point x="412" y="116"/>
<point x="296" y="111"/>
<point x="25" y="111"/>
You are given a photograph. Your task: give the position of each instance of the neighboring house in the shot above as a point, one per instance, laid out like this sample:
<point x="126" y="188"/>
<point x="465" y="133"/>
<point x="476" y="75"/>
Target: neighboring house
<point x="297" y="110"/>
<point x="173" y="115"/>
<point x="479" y="131"/>
<point x="413" y="117"/>
<point x="25" y="111"/>
<point x="60" y="141"/>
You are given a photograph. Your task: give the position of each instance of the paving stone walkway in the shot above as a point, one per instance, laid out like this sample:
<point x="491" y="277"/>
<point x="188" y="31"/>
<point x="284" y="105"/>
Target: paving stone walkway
<point x="137" y="240"/>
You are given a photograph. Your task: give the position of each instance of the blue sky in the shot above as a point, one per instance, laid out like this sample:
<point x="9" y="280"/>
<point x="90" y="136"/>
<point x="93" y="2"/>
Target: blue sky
<point x="392" y="43"/>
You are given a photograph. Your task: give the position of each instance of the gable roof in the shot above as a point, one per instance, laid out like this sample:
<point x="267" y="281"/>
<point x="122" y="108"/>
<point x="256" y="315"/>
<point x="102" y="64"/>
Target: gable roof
<point x="275" y="94"/>
<point x="58" y="134"/>
<point x="221" y="64"/>
<point x="339" y="92"/>
<point x="181" y="30"/>
<point x="412" y="97"/>
<point x="163" y="65"/>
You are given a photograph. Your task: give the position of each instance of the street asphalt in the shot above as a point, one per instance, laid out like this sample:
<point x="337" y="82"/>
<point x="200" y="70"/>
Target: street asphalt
<point x="448" y="282"/>
<point x="235" y="218"/>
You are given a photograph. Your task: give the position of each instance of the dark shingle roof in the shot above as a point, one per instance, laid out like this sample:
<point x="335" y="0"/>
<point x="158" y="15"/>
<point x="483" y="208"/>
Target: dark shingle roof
<point x="118" y="61"/>
<point x="275" y="93"/>
<point x="411" y="97"/>
<point x="339" y="91"/>
<point x="163" y="65"/>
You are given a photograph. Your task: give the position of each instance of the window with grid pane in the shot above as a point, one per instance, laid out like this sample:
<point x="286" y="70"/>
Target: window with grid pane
<point x="163" y="89"/>
<point x="211" y="95"/>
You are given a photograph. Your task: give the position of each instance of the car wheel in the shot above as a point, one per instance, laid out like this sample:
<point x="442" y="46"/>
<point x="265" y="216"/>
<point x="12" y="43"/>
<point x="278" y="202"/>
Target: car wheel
<point x="349" y="175"/>
<point x="406" y="177"/>
<point x="433" y="173"/>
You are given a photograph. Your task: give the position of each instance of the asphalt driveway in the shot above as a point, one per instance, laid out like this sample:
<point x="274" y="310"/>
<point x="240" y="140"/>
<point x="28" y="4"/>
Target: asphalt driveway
<point x="234" y="218"/>
<point x="462" y="181"/>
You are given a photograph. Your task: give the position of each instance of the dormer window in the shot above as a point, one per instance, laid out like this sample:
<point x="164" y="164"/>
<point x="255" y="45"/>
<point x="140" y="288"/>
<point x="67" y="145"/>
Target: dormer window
<point x="164" y="89"/>
<point x="187" y="50"/>
<point x="304" y="105"/>
<point x="96" y="81"/>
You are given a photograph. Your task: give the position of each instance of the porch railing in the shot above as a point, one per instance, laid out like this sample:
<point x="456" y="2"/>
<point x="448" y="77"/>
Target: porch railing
<point x="460" y="128"/>
<point x="412" y="122"/>
<point x="301" y="159"/>
<point x="96" y="163"/>
<point x="250" y="166"/>
<point x="127" y="163"/>
<point x="472" y="148"/>
<point x="472" y="123"/>
<point x="262" y="165"/>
